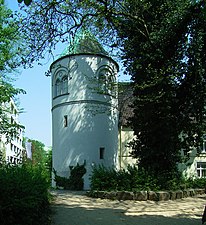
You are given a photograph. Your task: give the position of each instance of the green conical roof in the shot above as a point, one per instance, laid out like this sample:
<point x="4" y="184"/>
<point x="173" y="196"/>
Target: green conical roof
<point x="84" y="42"/>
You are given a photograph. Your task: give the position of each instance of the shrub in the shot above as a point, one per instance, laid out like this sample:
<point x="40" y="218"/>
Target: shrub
<point x="75" y="181"/>
<point x="104" y="178"/>
<point x="130" y="179"/>
<point x="196" y="182"/>
<point x="24" y="196"/>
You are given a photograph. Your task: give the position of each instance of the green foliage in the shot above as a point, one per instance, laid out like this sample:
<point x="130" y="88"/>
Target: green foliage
<point x="131" y="179"/>
<point x="11" y="51"/>
<point x="48" y="163"/>
<point x="61" y="181"/>
<point x="26" y="2"/>
<point x="196" y="183"/>
<point x="41" y="157"/>
<point x="38" y="152"/>
<point x="103" y="178"/>
<point x="13" y="47"/>
<point x="164" y="51"/>
<point x="24" y="197"/>
<point x="75" y="180"/>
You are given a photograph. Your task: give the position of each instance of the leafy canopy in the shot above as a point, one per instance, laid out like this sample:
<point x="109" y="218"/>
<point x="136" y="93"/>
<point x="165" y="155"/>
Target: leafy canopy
<point x="165" y="54"/>
<point x="10" y="59"/>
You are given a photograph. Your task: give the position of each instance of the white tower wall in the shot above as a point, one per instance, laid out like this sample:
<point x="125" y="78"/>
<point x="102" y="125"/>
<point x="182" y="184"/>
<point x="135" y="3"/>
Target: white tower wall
<point x="84" y="113"/>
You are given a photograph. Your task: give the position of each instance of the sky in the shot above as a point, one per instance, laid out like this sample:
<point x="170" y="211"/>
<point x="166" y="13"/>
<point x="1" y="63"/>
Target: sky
<point x="36" y="103"/>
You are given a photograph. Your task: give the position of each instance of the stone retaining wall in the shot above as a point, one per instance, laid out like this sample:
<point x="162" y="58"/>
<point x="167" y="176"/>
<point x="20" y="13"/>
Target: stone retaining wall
<point x="146" y="195"/>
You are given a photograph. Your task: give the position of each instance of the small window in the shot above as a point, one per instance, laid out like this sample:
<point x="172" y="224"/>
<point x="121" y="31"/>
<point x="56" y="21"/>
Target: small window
<point x="65" y="121"/>
<point x="101" y="153"/>
<point x="201" y="169"/>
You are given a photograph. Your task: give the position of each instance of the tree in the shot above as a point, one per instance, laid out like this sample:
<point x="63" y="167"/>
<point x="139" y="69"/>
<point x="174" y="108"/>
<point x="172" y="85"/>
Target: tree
<point x="38" y="152"/>
<point x="26" y="2"/>
<point x="50" y="22"/>
<point x="167" y="66"/>
<point x="40" y="157"/>
<point x="10" y="59"/>
<point x="163" y="49"/>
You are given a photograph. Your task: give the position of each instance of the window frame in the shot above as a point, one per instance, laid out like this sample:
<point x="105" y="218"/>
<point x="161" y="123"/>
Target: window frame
<point x="61" y="78"/>
<point x="106" y="80"/>
<point x="200" y="169"/>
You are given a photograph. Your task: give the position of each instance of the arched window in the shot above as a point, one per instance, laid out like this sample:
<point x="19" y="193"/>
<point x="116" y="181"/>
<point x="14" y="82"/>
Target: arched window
<point x="106" y="81"/>
<point x="57" y="87"/>
<point x="65" y="85"/>
<point x="111" y="84"/>
<point x="61" y="81"/>
<point x="102" y="82"/>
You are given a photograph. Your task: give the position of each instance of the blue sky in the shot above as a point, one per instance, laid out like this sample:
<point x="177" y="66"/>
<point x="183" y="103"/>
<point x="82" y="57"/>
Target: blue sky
<point x="36" y="103"/>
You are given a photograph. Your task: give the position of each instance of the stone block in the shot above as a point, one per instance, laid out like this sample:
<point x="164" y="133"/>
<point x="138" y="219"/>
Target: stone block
<point x="179" y="194"/>
<point x="119" y="195"/>
<point x="186" y="193"/>
<point x="128" y="195"/>
<point x="172" y="195"/>
<point x="192" y="192"/>
<point x="101" y="194"/>
<point x="163" y="195"/>
<point x="112" y="195"/>
<point x="152" y="196"/>
<point x="199" y="191"/>
<point x="140" y="195"/>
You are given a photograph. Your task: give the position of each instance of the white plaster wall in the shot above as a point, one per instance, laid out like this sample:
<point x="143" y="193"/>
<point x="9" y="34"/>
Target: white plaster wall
<point x="91" y="117"/>
<point x="125" y="136"/>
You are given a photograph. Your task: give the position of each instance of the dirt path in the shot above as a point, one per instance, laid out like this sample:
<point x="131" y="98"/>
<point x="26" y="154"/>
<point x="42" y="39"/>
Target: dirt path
<point x="74" y="208"/>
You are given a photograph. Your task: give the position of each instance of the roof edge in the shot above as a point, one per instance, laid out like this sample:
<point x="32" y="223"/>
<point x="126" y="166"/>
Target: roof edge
<point x="90" y="54"/>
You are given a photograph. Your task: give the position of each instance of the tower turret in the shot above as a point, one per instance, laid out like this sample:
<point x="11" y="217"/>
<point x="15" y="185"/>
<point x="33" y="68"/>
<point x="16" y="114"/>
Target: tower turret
<point x="84" y="107"/>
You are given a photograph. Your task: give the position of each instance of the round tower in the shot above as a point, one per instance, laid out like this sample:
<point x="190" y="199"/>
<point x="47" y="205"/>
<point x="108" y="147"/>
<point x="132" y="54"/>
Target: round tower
<point x="84" y="107"/>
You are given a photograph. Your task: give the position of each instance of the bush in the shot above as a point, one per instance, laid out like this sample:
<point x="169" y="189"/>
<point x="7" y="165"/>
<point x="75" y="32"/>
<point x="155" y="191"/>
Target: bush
<point x="196" y="183"/>
<point x="75" y="181"/>
<point x="24" y="196"/>
<point x="130" y="179"/>
<point x="104" y="178"/>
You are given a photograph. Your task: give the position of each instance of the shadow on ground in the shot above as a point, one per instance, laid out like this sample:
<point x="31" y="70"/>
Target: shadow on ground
<point x="65" y="214"/>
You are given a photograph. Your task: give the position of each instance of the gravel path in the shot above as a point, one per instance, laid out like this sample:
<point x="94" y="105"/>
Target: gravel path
<point x="75" y="208"/>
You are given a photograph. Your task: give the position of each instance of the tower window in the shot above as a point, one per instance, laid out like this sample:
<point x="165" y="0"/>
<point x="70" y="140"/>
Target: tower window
<point x="106" y="81"/>
<point x="101" y="153"/>
<point x="65" y="85"/>
<point x="58" y="87"/>
<point x="65" y="121"/>
<point x="61" y="81"/>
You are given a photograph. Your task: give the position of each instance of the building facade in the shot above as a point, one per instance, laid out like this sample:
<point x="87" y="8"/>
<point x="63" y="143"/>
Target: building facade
<point x="12" y="150"/>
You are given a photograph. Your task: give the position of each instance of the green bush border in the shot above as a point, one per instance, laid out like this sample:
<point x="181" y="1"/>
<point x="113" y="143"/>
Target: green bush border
<point x="24" y="195"/>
